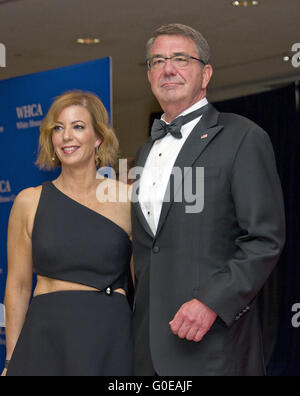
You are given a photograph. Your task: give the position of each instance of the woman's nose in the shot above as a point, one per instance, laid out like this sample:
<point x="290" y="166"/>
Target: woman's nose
<point x="67" y="134"/>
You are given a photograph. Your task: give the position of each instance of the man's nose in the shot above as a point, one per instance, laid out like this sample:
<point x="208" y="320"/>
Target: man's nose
<point x="169" y="68"/>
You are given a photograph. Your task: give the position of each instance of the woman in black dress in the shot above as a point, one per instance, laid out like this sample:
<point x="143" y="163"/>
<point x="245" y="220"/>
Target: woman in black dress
<point x="78" y="243"/>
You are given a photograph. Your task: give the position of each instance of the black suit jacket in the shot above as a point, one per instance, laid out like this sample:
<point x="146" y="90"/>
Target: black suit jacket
<point x="221" y="255"/>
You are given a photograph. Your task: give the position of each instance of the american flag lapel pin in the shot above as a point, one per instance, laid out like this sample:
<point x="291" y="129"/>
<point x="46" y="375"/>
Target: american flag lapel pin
<point x="204" y="136"/>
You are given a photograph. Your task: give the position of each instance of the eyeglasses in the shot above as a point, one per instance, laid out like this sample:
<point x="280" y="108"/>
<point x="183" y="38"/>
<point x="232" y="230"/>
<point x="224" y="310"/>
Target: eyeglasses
<point x="179" y="61"/>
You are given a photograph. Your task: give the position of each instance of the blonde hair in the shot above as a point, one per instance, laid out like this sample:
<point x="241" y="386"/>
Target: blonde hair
<point x="108" y="151"/>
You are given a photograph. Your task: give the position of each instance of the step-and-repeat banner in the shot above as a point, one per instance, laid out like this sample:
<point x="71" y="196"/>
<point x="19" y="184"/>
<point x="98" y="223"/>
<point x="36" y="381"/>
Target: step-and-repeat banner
<point x="24" y="102"/>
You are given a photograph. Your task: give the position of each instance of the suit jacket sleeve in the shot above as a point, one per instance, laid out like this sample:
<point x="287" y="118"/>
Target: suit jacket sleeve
<point x="257" y="196"/>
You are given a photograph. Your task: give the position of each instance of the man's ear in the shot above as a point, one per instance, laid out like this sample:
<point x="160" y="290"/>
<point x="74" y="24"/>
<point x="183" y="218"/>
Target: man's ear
<point x="149" y="76"/>
<point x="207" y="75"/>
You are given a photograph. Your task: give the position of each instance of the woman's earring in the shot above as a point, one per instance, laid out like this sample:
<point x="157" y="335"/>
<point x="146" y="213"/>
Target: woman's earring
<point x="54" y="155"/>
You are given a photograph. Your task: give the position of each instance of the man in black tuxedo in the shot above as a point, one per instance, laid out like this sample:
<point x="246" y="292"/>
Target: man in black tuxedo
<point x="208" y="224"/>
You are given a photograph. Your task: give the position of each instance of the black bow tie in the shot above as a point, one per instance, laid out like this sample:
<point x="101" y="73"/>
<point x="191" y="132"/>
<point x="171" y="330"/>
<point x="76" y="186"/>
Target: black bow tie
<point x="160" y="129"/>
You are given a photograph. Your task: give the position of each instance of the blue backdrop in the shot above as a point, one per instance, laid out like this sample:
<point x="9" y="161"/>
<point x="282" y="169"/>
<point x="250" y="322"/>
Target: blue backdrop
<point x="24" y="101"/>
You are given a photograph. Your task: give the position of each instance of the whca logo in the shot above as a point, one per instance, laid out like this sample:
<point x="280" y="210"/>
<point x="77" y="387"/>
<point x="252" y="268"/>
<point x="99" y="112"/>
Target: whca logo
<point x="5" y="186"/>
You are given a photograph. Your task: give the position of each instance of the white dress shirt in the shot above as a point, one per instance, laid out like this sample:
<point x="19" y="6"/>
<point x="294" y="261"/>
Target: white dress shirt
<point x="158" y="168"/>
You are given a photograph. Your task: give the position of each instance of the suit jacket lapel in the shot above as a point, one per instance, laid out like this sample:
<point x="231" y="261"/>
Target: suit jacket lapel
<point x="203" y="133"/>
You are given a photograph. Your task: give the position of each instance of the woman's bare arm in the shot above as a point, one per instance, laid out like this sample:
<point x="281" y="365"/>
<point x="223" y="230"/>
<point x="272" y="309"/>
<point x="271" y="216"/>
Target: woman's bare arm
<point x="19" y="259"/>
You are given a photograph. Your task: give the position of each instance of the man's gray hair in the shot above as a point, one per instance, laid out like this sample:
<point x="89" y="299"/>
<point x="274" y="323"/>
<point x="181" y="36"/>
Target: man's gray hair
<point x="176" y="29"/>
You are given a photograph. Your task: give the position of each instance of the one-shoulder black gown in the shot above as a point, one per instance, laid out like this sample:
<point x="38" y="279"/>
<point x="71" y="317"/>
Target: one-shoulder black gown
<point x="77" y="333"/>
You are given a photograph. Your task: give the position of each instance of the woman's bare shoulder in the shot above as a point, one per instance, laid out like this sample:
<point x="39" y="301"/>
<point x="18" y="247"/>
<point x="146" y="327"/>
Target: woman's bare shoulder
<point x="27" y="199"/>
<point x="28" y="195"/>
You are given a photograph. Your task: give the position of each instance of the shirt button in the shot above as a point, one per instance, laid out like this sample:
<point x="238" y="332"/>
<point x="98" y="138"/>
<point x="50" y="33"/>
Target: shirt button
<point x="156" y="249"/>
<point x="160" y="154"/>
<point x="149" y="213"/>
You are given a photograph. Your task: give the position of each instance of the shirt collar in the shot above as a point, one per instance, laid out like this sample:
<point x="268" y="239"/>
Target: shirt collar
<point x="203" y="102"/>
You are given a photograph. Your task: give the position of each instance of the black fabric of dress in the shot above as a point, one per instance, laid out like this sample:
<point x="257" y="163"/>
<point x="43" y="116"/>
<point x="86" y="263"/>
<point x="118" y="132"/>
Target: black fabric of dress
<point x="68" y="333"/>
